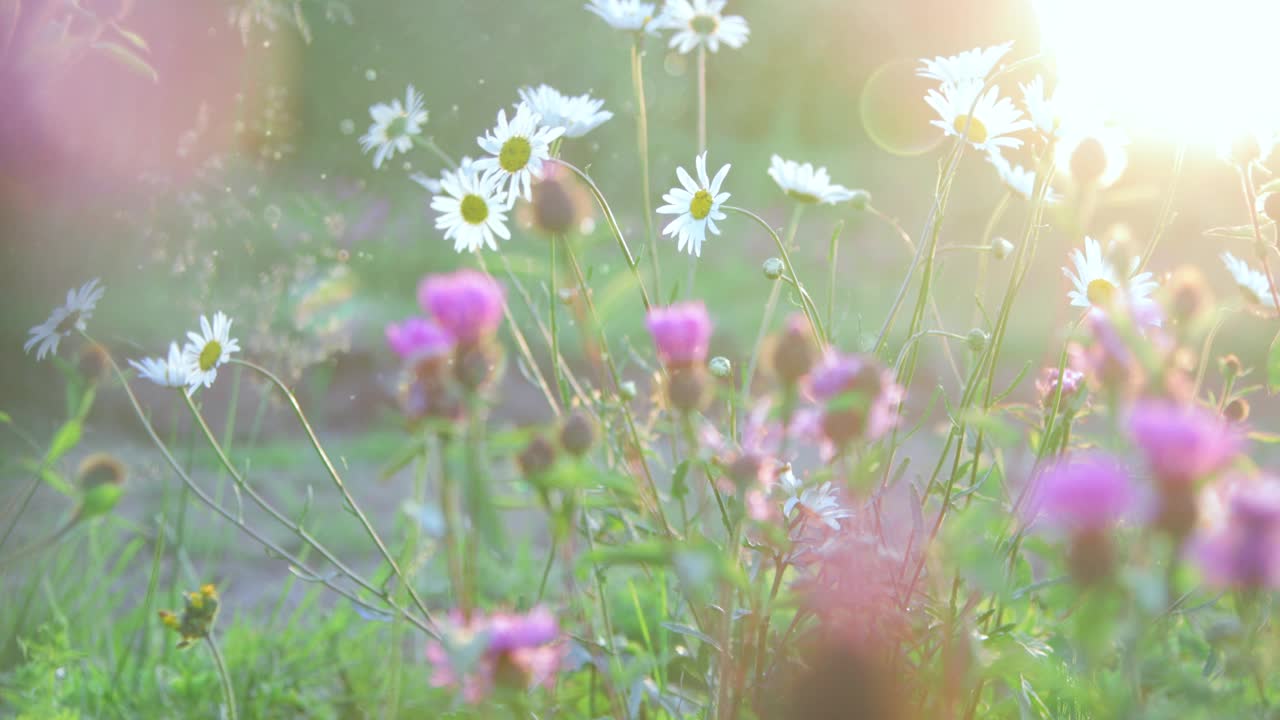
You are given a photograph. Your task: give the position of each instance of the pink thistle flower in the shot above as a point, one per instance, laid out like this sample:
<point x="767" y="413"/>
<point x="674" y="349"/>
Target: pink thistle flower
<point x="1047" y="386"/>
<point x="467" y="304"/>
<point x="1244" y="552"/>
<point x="1182" y="443"/>
<point x="1085" y="493"/>
<point x="513" y="650"/>
<point x="860" y="398"/>
<point x="418" y="339"/>
<point x="681" y="333"/>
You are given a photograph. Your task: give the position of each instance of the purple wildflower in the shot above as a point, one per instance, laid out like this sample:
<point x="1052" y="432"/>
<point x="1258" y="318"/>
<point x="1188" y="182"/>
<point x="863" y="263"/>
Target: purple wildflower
<point x="1182" y="443"/>
<point x="860" y="398"/>
<point x="1245" y="551"/>
<point x="1084" y="493"/>
<point x="681" y="333"/>
<point x="467" y="304"/>
<point x="419" y="338"/>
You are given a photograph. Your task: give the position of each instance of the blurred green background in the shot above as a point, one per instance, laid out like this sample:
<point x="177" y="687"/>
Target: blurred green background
<point x="235" y="181"/>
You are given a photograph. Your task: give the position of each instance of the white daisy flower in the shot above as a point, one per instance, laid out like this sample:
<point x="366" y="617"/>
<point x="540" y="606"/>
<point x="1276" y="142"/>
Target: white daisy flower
<point x="432" y="184"/>
<point x="1041" y="109"/>
<point x="1092" y="152"/>
<point x="967" y="67"/>
<point x="806" y="184"/>
<point x="518" y="150"/>
<point x="1252" y="283"/>
<point x="64" y="320"/>
<point x="472" y="209"/>
<point x="173" y="371"/>
<point x="578" y="115"/>
<point x="208" y="350"/>
<point x="992" y="121"/>
<point x="820" y="503"/>
<point x="394" y="126"/>
<point x="699" y="22"/>
<point x="630" y="15"/>
<point x="1019" y="179"/>
<point x="697" y="206"/>
<point x="1096" y="283"/>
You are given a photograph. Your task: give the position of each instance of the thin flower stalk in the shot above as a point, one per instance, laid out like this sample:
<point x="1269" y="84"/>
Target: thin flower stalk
<point x="337" y="481"/>
<point x="1260" y="247"/>
<point x="642" y="148"/>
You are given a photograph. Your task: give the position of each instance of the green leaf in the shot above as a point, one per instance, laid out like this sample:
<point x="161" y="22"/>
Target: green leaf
<point x="1273" y="366"/>
<point x="128" y="58"/>
<point x="132" y="37"/>
<point x="653" y="551"/>
<point x="1231" y="232"/>
<point x="405" y="455"/>
<point x="4" y="417"/>
<point x="679" y="485"/>
<point x="67" y="437"/>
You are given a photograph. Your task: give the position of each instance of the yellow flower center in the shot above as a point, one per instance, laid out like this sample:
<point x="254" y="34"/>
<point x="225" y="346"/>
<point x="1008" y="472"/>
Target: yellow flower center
<point x="515" y="154"/>
<point x="474" y="209"/>
<point x="700" y="206"/>
<point x="398" y="126"/>
<point x="1100" y="292"/>
<point x="977" y="131"/>
<point x="209" y="355"/>
<point x="704" y="24"/>
<point x="803" y="197"/>
<point x="68" y="323"/>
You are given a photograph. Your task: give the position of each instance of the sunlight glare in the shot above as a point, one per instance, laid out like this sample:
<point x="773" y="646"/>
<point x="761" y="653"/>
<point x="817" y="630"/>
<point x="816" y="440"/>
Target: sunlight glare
<point x="1182" y="70"/>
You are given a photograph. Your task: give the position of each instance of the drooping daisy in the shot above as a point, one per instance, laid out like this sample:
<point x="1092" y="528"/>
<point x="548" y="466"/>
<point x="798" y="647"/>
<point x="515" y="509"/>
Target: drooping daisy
<point x="699" y="22"/>
<point x="1019" y="179"/>
<point x="394" y="126"/>
<point x="1252" y="283"/>
<point x="993" y="118"/>
<point x="173" y="371"/>
<point x="967" y="67"/>
<point x="518" y="150"/>
<point x="806" y="184"/>
<point x="1096" y="283"/>
<point x="208" y="350"/>
<point x="471" y="209"/>
<point x="1092" y="153"/>
<point x="819" y="503"/>
<point x="578" y="115"/>
<point x="696" y="205"/>
<point x="63" y="320"/>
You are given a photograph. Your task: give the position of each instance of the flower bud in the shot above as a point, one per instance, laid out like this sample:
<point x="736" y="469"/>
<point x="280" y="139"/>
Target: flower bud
<point x="94" y="361"/>
<point x="1236" y="411"/>
<point x="1176" y="510"/>
<point x="1270" y="203"/>
<point x="537" y="457"/>
<point x="1245" y="149"/>
<point x="1090" y="559"/>
<point x="745" y="470"/>
<point x="686" y="388"/>
<point x="773" y="268"/>
<point x="720" y="367"/>
<point x="861" y="200"/>
<point x="1188" y="294"/>
<point x="578" y="434"/>
<point x="1001" y="248"/>
<point x="793" y="356"/>
<point x="474" y="365"/>
<point x="1089" y="161"/>
<point x="101" y="479"/>
<point x="977" y="340"/>
<point x="627" y="390"/>
<point x="1230" y="366"/>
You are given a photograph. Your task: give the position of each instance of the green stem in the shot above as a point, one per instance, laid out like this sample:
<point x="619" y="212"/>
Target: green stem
<point x="449" y="509"/>
<point x="223" y="677"/>
<point x="337" y="481"/>
<point x="430" y="144"/>
<point x="642" y="147"/>
<point x="806" y="301"/>
<point x="612" y="220"/>
<point x="632" y="432"/>
<point x="760" y="337"/>
<point x="557" y="371"/>
<point x="523" y="345"/>
<point x="832" y="254"/>
<point x="702" y="99"/>
<point x="1260" y="247"/>
<point x="1166" y="212"/>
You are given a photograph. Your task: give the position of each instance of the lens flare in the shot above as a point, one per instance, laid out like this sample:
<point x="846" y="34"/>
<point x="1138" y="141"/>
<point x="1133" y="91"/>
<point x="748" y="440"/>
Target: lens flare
<point x="1183" y="70"/>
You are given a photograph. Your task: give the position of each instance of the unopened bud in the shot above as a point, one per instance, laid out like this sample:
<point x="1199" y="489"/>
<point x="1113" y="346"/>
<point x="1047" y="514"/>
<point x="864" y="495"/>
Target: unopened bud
<point x="101" y="479"/>
<point x="1089" y="161"/>
<point x="773" y="268"/>
<point x="720" y="366"/>
<point x="474" y="365"/>
<point x="1090" y="558"/>
<point x="578" y="433"/>
<point x="536" y="457"/>
<point x="977" y="340"/>
<point x="1245" y="149"/>
<point x="861" y="200"/>
<point x="1231" y="367"/>
<point x="627" y="390"/>
<point x="793" y="355"/>
<point x="686" y="388"/>
<point x="1001" y="248"/>
<point x="94" y="361"/>
<point x="745" y="470"/>
<point x="1271" y="206"/>
<point x="1236" y="411"/>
